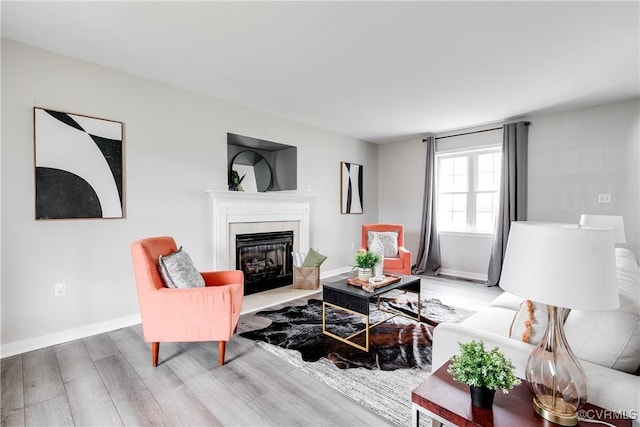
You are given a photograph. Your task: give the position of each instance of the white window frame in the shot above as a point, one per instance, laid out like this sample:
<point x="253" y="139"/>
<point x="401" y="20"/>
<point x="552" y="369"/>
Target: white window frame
<point x="472" y="168"/>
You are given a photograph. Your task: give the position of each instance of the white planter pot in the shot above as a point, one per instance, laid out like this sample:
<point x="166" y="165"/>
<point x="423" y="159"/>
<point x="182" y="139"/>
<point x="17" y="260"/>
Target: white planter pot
<point x="364" y="273"/>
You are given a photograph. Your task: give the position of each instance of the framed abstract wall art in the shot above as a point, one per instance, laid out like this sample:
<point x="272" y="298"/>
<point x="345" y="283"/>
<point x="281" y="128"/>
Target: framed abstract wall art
<point x="350" y="188"/>
<point x="78" y="166"/>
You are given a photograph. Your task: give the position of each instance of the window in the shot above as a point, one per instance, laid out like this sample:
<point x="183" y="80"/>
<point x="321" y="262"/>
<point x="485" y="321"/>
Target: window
<point x="468" y="187"/>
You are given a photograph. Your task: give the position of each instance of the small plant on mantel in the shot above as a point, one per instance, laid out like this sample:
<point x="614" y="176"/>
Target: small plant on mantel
<point x="236" y="180"/>
<point x="483" y="371"/>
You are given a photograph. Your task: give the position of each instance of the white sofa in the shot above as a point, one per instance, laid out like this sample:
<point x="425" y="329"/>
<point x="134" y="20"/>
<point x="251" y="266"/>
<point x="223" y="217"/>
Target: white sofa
<point x="607" y="343"/>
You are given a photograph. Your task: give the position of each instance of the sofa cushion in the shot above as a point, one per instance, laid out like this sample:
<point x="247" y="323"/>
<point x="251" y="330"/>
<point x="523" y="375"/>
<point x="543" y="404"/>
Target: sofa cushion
<point x="491" y="319"/>
<point x="606" y="338"/>
<point x="525" y="326"/>
<point x="178" y="272"/>
<point x="529" y="322"/>
<point x="627" y="268"/>
<point x="389" y="240"/>
<point x="611" y="338"/>
<point x="507" y="300"/>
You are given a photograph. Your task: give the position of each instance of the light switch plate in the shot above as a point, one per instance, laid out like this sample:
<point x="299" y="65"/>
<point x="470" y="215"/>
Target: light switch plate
<point x="604" y="198"/>
<point x="60" y="289"/>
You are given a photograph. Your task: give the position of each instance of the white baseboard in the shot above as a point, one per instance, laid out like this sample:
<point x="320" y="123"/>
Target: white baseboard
<point x="464" y="274"/>
<point x="334" y="272"/>
<point x="18" y="347"/>
<point x="36" y="343"/>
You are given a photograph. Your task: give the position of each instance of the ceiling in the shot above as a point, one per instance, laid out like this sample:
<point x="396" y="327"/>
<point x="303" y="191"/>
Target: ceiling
<point x="378" y="71"/>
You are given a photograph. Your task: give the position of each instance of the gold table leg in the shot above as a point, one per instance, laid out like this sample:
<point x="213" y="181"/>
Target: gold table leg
<point x="365" y="317"/>
<point x="347" y="339"/>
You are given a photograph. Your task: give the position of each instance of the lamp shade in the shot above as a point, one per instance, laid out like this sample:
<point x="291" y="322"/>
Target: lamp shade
<point x="615" y="222"/>
<point x="564" y="265"/>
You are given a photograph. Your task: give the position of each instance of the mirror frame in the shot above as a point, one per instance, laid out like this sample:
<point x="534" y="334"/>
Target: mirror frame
<point x="255" y="160"/>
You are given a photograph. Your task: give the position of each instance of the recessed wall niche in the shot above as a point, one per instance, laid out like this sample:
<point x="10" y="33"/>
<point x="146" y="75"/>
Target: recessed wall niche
<point x="244" y="153"/>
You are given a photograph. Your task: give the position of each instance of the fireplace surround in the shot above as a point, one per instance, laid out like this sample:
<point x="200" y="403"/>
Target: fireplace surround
<point x="237" y="213"/>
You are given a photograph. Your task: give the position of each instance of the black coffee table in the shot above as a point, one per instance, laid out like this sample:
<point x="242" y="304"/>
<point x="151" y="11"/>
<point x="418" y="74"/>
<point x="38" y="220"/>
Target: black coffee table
<point x="353" y="299"/>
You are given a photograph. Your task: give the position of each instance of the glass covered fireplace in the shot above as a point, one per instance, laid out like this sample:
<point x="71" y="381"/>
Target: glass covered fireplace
<point x="265" y="259"/>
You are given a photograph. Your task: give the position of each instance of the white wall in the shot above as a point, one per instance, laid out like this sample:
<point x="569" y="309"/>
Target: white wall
<point x="175" y="150"/>
<point x="465" y="254"/>
<point x="573" y="157"/>
<point x="401" y="168"/>
<point x="576" y="155"/>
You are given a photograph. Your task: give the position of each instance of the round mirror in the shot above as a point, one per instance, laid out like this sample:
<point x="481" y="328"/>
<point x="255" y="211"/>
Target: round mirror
<point x="250" y="172"/>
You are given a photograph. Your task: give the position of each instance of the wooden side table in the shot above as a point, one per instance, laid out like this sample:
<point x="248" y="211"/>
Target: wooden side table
<point x="446" y="401"/>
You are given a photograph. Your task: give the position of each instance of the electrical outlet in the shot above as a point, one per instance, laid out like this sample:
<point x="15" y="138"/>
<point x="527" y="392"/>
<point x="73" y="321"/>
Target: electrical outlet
<point x="60" y="289"/>
<point x="604" y="198"/>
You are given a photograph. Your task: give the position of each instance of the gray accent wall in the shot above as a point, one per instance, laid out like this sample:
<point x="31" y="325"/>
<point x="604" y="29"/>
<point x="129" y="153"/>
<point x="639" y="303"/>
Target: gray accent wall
<point x="175" y="149"/>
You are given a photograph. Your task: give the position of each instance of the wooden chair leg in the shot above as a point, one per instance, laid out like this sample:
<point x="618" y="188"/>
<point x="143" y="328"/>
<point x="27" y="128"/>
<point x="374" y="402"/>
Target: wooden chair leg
<point x="155" y="348"/>
<point x="221" y="349"/>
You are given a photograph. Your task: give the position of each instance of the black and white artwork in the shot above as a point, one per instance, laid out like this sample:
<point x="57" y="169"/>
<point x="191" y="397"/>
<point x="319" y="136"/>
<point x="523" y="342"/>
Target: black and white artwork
<point x="78" y="166"/>
<point x="351" y="188"/>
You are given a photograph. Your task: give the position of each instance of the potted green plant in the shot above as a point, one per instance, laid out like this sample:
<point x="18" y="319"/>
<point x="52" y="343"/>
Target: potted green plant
<point x="365" y="260"/>
<point x="483" y="371"/>
<point x="236" y="180"/>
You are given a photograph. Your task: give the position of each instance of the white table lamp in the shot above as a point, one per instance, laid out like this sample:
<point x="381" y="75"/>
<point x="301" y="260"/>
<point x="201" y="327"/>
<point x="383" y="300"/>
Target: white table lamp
<point x="563" y="266"/>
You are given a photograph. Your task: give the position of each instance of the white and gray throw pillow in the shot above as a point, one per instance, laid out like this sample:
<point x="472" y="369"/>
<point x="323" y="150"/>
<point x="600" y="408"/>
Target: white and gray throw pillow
<point x="389" y="240"/>
<point x="178" y="272"/>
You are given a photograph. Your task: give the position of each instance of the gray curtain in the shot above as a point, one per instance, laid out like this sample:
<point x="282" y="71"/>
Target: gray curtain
<point x="513" y="193"/>
<point x="428" y="256"/>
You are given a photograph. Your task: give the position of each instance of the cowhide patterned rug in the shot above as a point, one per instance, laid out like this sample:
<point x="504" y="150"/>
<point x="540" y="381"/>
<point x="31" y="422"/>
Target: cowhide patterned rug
<point x="399" y="343"/>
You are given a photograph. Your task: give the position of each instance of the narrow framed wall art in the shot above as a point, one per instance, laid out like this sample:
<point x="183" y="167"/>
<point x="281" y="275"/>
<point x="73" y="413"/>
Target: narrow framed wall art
<point x="79" y="166"/>
<point x="351" y="188"/>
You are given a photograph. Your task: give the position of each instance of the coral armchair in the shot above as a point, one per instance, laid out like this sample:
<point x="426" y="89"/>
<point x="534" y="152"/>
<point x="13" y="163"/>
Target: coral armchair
<point x="401" y="263"/>
<point x="207" y="313"/>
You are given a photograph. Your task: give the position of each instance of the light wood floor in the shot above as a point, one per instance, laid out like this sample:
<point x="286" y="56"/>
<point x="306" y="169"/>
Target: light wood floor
<point x="108" y="379"/>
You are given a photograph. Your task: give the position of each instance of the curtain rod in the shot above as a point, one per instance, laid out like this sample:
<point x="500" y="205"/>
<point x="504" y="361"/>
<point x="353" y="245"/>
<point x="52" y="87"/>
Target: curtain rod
<point x="470" y="133"/>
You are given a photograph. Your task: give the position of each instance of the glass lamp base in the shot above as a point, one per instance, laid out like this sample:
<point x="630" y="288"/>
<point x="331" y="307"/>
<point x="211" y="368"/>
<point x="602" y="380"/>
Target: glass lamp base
<point x="563" y="413"/>
<point x="554" y="374"/>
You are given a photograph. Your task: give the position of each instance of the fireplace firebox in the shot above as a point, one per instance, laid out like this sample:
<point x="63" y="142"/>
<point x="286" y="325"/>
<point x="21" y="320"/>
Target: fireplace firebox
<point x="265" y="259"/>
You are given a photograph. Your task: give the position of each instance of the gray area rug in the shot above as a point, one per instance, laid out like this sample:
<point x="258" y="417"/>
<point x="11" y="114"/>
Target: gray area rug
<point x="385" y="392"/>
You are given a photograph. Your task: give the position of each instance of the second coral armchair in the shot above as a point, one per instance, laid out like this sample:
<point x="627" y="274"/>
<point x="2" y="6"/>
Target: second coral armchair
<point x="208" y="313"/>
<point x="394" y="262"/>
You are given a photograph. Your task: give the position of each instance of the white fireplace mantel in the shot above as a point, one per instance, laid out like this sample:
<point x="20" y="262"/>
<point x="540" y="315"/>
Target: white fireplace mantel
<point x="231" y="208"/>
